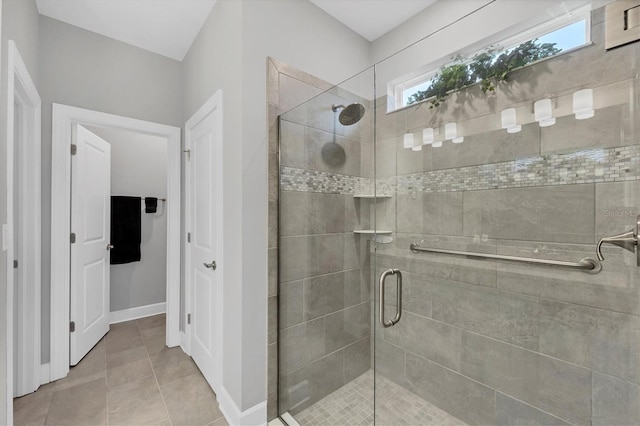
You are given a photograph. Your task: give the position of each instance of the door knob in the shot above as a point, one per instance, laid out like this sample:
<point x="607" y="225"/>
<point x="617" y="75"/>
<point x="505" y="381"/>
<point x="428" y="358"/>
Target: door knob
<point x="109" y="246"/>
<point x="211" y="265"/>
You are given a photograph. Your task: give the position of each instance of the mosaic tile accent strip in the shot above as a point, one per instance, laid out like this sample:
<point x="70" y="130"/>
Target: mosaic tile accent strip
<point x="585" y="166"/>
<point x="292" y="179"/>
<point x="352" y="404"/>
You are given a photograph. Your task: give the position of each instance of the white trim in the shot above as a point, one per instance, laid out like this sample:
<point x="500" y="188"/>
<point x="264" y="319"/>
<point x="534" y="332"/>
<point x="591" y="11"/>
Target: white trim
<point x="256" y="415"/>
<point x="183" y="342"/>
<point x="212" y="104"/>
<point x="137" y="312"/>
<point x="45" y="374"/>
<point x="63" y="117"/>
<point x="22" y="91"/>
<point x="277" y="422"/>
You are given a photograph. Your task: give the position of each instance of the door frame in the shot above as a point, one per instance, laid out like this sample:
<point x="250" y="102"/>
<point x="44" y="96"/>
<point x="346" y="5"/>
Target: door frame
<point x="22" y="91"/>
<point x="213" y="104"/>
<point x="63" y="118"/>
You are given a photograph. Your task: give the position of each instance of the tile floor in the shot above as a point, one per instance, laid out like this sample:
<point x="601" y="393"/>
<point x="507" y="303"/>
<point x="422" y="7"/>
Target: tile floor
<point x="129" y="377"/>
<point x="352" y="405"/>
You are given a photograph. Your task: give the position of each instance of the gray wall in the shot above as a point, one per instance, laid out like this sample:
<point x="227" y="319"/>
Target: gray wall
<point x="19" y="23"/>
<point x="139" y="169"/>
<point x="83" y="69"/>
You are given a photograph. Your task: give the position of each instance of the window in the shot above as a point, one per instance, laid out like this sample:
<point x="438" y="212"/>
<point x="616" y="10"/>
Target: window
<point x="541" y="42"/>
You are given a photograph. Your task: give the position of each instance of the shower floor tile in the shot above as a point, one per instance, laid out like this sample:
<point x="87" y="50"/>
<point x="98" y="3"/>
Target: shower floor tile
<point x="352" y="404"/>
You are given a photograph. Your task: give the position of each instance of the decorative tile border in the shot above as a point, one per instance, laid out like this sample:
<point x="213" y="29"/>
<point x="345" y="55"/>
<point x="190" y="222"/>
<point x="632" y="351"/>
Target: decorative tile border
<point x="584" y="166"/>
<point x="292" y="179"/>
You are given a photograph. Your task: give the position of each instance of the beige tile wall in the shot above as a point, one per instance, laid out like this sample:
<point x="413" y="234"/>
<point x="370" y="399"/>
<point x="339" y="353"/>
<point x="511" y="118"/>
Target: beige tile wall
<point x="499" y="343"/>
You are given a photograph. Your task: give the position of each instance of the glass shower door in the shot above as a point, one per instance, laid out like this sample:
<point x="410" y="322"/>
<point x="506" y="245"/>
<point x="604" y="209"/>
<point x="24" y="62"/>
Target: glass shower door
<point x="496" y="201"/>
<point x="326" y="197"/>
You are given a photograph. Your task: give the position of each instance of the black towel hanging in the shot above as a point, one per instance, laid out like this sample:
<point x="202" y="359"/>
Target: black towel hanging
<point x="125" y="229"/>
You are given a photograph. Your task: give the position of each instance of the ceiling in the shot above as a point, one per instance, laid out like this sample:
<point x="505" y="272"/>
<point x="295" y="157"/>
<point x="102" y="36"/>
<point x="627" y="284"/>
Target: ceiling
<point x="372" y="18"/>
<point x="169" y="27"/>
<point x="165" y="27"/>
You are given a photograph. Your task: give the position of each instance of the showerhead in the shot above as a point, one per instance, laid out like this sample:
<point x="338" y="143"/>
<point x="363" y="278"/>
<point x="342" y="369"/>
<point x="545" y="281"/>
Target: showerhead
<point x="350" y="114"/>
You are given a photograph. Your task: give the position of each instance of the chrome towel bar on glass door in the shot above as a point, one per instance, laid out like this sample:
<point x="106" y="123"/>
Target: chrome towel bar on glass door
<point x="588" y="265"/>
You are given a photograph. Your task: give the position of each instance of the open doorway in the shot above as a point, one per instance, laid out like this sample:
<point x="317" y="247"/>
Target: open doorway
<point x="119" y="224"/>
<point x="109" y="126"/>
<point x="139" y="170"/>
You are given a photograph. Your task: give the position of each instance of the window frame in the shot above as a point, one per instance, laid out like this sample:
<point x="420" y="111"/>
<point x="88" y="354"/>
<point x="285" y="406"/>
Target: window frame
<point x="580" y="14"/>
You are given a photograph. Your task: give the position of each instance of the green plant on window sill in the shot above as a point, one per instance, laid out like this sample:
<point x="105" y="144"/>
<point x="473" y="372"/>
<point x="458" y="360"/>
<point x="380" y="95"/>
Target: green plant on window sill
<point x="489" y="68"/>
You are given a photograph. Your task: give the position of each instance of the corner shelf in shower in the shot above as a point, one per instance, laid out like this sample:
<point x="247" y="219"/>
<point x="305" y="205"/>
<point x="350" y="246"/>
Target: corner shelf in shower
<point x="370" y="196"/>
<point x="371" y="232"/>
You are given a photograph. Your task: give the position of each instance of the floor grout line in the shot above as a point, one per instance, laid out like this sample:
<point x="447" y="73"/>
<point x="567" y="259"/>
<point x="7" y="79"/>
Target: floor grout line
<point x="155" y="376"/>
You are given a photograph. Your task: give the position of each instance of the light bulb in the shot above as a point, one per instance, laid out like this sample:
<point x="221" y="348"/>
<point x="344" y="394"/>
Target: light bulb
<point x="450" y="131"/>
<point x="543" y="110"/>
<point x="509" y="120"/>
<point x="408" y="140"/>
<point x="583" y="104"/>
<point x="427" y="136"/>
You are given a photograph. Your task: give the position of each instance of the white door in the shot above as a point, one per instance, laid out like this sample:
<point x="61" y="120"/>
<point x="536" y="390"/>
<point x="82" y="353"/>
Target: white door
<point x="204" y="139"/>
<point x="91" y="224"/>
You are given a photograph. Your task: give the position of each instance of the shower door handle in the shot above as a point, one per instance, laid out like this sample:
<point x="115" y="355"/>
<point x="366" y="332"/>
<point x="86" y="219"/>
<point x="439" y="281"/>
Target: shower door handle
<point x="396" y="318"/>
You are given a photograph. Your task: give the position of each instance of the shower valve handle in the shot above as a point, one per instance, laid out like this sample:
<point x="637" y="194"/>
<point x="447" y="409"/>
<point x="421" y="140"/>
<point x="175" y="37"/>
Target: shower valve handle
<point x="627" y="240"/>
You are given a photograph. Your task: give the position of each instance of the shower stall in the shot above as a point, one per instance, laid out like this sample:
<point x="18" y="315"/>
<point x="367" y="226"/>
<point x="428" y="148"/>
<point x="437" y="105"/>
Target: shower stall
<point x="469" y="257"/>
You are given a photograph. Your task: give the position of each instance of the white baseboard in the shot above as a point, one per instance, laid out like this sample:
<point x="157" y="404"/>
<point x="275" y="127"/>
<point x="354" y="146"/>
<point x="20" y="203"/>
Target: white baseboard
<point x="183" y="342"/>
<point x="254" y="416"/>
<point x="137" y="313"/>
<point x="45" y="373"/>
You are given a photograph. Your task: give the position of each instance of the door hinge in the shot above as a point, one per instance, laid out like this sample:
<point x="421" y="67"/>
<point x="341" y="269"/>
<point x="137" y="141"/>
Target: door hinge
<point x="73" y="237"/>
<point x="15" y="264"/>
<point x="188" y="237"/>
<point x="74" y="149"/>
<point x="188" y="152"/>
<point x="188" y="318"/>
<point x="72" y="326"/>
